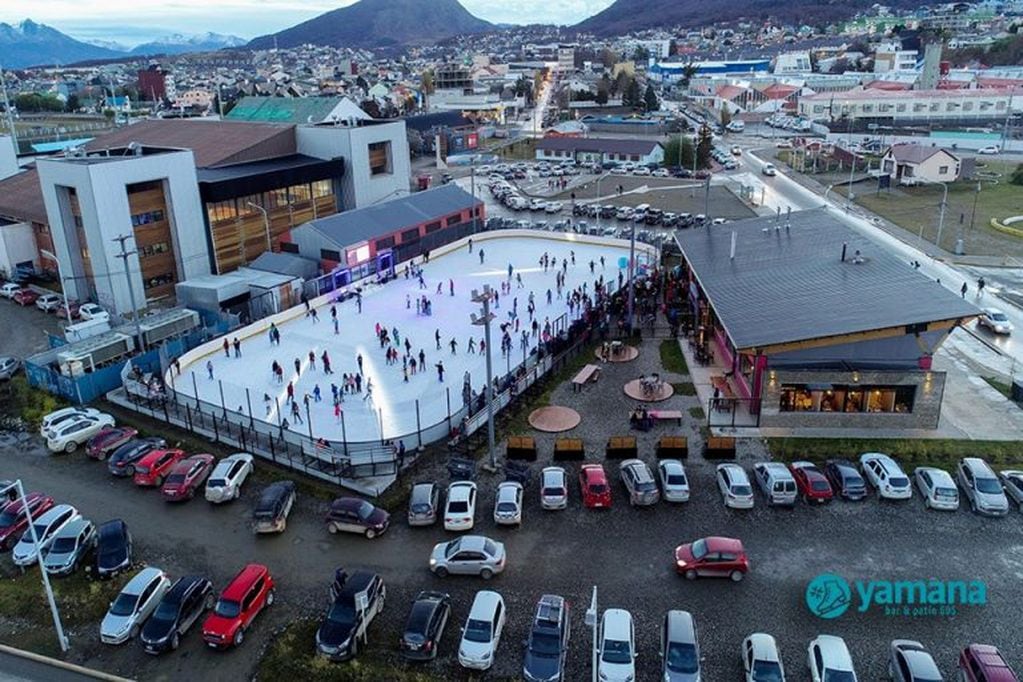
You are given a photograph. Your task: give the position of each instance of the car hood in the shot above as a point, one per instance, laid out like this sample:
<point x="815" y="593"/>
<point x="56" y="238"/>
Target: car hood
<point x="156" y="631"/>
<point x="333" y="634"/>
<point x="474" y="650"/>
<point x="24" y="551"/>
<point x="219" y="624"/>
<point x="995" y="500"/>
<point x="115" y="625"/>
<point x="113" y="558"/>
<point x="377" y="518"/>
<point x="55" y="560"/>
<point x="618" y="671"/>
<point x="541" y="667"/>
<point x="670" y="676"/>
<point x="684" y="553"/>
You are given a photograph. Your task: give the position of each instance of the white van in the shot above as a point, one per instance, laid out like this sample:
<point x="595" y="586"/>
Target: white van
<point x="776" y="482"/>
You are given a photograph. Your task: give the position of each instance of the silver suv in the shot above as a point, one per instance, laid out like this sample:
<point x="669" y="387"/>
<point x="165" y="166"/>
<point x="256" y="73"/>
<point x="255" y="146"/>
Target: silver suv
<point x="982" y="487"/>
<point x="639" y="482"/>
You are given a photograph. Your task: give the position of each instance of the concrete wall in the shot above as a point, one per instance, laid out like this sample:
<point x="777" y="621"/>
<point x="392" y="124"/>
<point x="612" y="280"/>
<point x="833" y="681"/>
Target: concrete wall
<point x="17" y="245"/>
<point x="8" y="157"/>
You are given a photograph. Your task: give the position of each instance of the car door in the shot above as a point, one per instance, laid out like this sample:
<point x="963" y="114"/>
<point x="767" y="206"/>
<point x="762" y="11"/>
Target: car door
<point x="498" y="625"/>
<point x="191" y="607"/>
<point x="723" y="482"/>
<point x="146" y="602"/>
<point x="816" y="664"/>
<point x="747" y="658"/>
<point x="249" y="609"/>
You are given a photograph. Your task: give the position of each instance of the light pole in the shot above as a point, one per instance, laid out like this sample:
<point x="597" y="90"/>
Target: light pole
<point x="632" y="271"/>
<point x="591" y="621"/>
<point x="472" y="186"/>
<point x="484" y="299"/>
<point x="266" y="222"/>
<point x="131" y="289"/>
<point x="67" y="306"/>
<point x="61" y="637"/>
<point x="599" y="178"/>
<point x="941" y="215"/>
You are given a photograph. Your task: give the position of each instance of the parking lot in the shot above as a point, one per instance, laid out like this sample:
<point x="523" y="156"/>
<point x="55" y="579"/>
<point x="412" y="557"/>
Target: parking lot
<point x="26" y="328"/>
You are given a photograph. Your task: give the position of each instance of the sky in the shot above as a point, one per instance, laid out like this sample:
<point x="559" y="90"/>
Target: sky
<point x="137" y="21"/>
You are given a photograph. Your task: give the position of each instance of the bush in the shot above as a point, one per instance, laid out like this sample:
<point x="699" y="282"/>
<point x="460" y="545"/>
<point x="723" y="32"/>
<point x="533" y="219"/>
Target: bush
<point x="31" y="404"/>
<point x="1017" y="175"/>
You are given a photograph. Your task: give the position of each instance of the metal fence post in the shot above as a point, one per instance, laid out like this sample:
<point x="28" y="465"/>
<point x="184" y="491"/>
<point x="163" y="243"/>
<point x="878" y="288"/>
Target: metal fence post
<point x="195" y="390"/>
<point x="220" y="384"/>
<point x="447" y="391"/>
<point x="344" y="435"/>
<point x="419" y="426"/>
<point x="248" y="401"/>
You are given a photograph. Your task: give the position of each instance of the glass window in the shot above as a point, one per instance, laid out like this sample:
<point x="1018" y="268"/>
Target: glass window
<point x="880" y="400"/>
<point x="904" y="397"/>
<point x="289" y="247"/>
<point x="453" y="220"/>
<point x="410" y="235"/>
<point x="385" y="243"/>
<point x="379" y="158"/>
<point x="854" y="401"/>
<point x="299" y="193"/>
<point x="328" y="254"/>
<point x="796" y="399"/>
<point x="432" y="227"/>
<point x="322" y="188"/>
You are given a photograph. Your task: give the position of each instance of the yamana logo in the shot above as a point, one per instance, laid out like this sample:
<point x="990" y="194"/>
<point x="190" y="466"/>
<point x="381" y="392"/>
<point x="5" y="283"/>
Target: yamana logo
<point x="829" y="596"/>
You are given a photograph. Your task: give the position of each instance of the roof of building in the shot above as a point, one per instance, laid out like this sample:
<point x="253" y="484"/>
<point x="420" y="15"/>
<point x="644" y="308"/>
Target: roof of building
<point x="286" y="264"/>
<point x="874" y="94"/>
<point x="441" y="119"/>
<point x="294" y="109"/>
<point x="914" y="153"/>
<point x="352" y="227"/>
<point x="214" y="143"/>
<point x="21" y="197"/>
<point x="604" y="145"/>
<point x="730" y="91"/>
<point x="790" y="284"/>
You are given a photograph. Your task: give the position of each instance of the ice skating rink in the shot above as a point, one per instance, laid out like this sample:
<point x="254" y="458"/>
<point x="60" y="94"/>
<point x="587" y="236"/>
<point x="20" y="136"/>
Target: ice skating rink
<point x="390" y="409"/>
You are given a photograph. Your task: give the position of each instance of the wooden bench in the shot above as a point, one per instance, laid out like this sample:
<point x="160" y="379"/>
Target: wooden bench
<point x="672" y="447"/>
<point x="521" y="448"/>
<point x="569" y="449"/>
<point x="621" y="447"/>
<point x="658" y="415"/>
<point x="719" y="447"/>
<point x="586" y="374"/>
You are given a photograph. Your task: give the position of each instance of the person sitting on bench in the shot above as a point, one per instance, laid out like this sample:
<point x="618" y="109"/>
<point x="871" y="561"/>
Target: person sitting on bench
<point x="641" y="420"/>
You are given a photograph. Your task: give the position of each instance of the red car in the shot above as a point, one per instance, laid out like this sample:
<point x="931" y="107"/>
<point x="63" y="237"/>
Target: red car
<point x="185" y="477"/>
<point x="108" y="440"/>
<point x="984" y="663"/>
<point x="811" y="483"/>
<point x="596" y="492"/>
<point x="14" y="519"/>
<point x="713" y="557"/>
<point x="72" y="306"/>
<point x="239" y="604"/>
<point x="154" y="467"/>
<point x="25" y="297"/>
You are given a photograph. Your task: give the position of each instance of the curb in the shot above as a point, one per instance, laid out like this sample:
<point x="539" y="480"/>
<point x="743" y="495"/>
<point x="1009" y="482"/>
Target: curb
<point x="61" y="665"/>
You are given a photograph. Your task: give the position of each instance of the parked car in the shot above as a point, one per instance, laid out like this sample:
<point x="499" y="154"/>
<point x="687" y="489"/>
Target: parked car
<point x="468" y="555"/>
<point x="152" y="469"/>
<point x="67" y="435"/>
<point x="420" y="640"/>
<point x="91" y="311"/>
<point x="122" y="460"/>
<point x="980" y="483"/>
<point x="547" y="642"/>
<point x="72" y="307"/>
<point x="9" y="366"/>
<point x="673" y="479"/>
<point x="734" y="486"/>
<point x="242" y="600"/>
<point x="616" y="655"/>
<point x="887" y="477"/>
<point x="811" y="482"/>
<point x="593" y="486"/>
<point x="995" y="320"/>
<point x="349" y="617"/>
<point x="109" y="439"/>
<point x="423" y="504"/>
<point x="113" y="548"/>
<point x="26" y="552"/>
<point x="25" y="297"/>
<point x="829" y="659"/>
<point x="639" y="483"/>
<point x="908" y="661"/>
<point x="136" y="601"/>
<point x="845" y="479"/>
<point x="69" y="547"/>
<point x="353" y="515"/>
<point x="225" y="482"/>
<point x="460" y="512"/>
<point x="984" y="663"/>
<point x="680" y="648"/>
<point x="14" y="517"/>
<point x="186" y="476"/>
<point x="761" y="660"/>
<point x="270" y="514"/>
<point x="712" y="557"/>
<point x="553" y="488"/>
<point x="508" y="504"/>
<point x="9" y="289"/>
<point x="776" y="482"/>
<point x="482" y="632"/>
<point x="1012" y="482"/>
<point x="990" y="149"/>
<point x="937" y="488"/>
<point x="188" y="598"/>
<point x="49" y="302"/>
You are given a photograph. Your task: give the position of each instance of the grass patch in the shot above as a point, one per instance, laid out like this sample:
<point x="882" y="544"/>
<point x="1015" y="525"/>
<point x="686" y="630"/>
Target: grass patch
<point x="31" y="404"/>
<point x="940" y="452"/>
<point x="685" y="388"/>
<point x="671" y="357"/>
<point x="697" y="413"/>
<point x="81" y="601"/>
<point x="1000" y="386"/>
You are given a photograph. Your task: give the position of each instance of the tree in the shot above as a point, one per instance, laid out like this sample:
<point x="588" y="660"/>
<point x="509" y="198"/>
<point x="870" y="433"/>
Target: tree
<point x="1017" y="175"/>
<point x="608" y="58"/>
<point x="72" y="104"/>
<point x="650" y="102"/>
<point x="704" y="146"/>
<point x="34" y="101"/>
<point x="726" y="114"/>
<point x="601" y="97"/>
<point x="687" y="74"/>
<point x="641" y="54"/>
<point x="678" y="151"/>
<point x="632" y="96"/>
<point x="426" y="82"/>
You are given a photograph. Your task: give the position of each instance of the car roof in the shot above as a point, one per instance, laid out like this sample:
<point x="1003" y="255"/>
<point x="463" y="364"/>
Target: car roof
<point x="552" y="471"/>
<point x="53" y="513"/>
<point x="236" y="589"/>
<point x="484" y="604"/>
<point x="459" y="490"/>
<point x="472" y="542"/>
<point x="681" y="627"/>
<point x="74" y="527"/>
<point x="347" y="503"/>
<point x="357" y="582"/>
<point x="921" y="664"/>
<point x="978" y="465"/>
<point x="594" y="473"/>
<point x="672" y="466"/>
<point x="111" y="527"/>
<point x="994" y="664"/>
<point x="183" y="586"/>
<point x="141" y="579"/>
<point x="615" y="624"/>
<point x="717" y="543"/>
<point x="834" y="651"/>
<point x="508" y="489"/>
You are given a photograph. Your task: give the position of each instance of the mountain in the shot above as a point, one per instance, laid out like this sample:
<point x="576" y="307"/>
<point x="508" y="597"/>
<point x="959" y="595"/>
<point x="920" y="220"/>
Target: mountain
<point x="380" y="23"/>
<point x="179" y="44"/>
<point x="632" y="15"/>
<point x="109" y="45"/>
<point x="31" y="44"/>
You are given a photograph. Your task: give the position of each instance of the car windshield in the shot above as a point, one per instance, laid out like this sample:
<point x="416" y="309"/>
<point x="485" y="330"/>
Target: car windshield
<point x="616" y="651"/>
<point x="226" y="608"/>
<point x="9" y="518"/>
<point x="676" y="479"/>
<point x="458" y="507"/>
<point x="41" y="529"/>
<point x="124" y="605"/>
<point x="477" y="631"/>
<point x="999" y="317"/>
<point x="365" y="510"/>
<point x="175" y="479"/>
<point x="767" y="671"/>
<point x="820" y="486"/>
<point x="988" y="486"/>
<point x="741" y="490"/>
<point x="452" y="547"/>
<point x="854" y="481"/>
<point x="141" y="470"/>
<point x="506" y="506"/>
<point x="839" y="676"/>
<point x="544" y="644"/>
<point x="946" y="492"/>
<point x="682" y="658"/>
<point x="552" y="491"/>
<point x="699" y="549"/>
<point x="341" y="614"/>
<point x="167" y="611"/>
<point x="217" y="483"/>
<point x="898" y="482"/>
<point x="63" y="545"/>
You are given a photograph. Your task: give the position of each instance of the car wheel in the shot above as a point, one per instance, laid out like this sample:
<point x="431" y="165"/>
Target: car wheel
<point x="191" y="493"/>
<point x="129" y="470"/>
<point x="440" y="572"/>
<point x="690" y="574"/>
<point x="486" y="574"/>
<point x="71" y="447"/>
<point x="370" y="533"/>
<point x="102" y="456"/>
<point x="355" y="646"/>
<point x="270" y="598"/>
<point x="175" y="640"/>
<point x="736" y="576"/>
<point x="333" y="528"/>
<point x="159" y="481"/>
<point x="927" y="503"/>
<point x="239" y="637"/>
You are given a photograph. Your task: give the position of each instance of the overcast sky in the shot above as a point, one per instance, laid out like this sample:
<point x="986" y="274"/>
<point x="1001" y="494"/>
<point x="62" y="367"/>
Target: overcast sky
<point x="136" y="21"/>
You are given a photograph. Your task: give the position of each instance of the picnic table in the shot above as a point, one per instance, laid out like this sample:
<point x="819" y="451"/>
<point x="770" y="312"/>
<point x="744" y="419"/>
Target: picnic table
<point x="659" y="415"/>
<point x="586" y="375"/>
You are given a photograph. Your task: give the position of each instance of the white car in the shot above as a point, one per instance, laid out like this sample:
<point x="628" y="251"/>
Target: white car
<point x="553" y="488"/>
<point x="776" y="482"/>
<point x="937" y="488"/>
<point x="674" y="482"/>
<point x="761" y="659"/>
<point x="26" y="552"/>
<point x="982" y="487"/>
<point x="990" y="149"/>
<point x="661" y="173"/>
<point x="1012" y="482"/>
<point x="91" y="311"/>
<point x="69" y="434"/>
<point x="769" y="170"/>
<point x="553" y="207"/>
<point x="225" y="481"/>
<point x="482" y="632"/>
<point x="460" y="510"/>
<point x="508" y="505"/>
<point x="995" y="320"/>
<point x="537" y="205"/>
<point x="133" y="606"/>
<point x="58" y="416"/>
<point x="642" y="170"/>
<point x="50" y="302"/>
<point x="617" y="652"/>
<point x="734" y="485"/>
<point x="9" y="289"/>
<point x="829" y="659"/>
<point x="887" y="477"/>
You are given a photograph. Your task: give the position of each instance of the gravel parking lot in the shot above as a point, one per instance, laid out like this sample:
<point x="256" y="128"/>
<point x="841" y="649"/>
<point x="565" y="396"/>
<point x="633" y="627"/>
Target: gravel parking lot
<point x="26" y="328"/>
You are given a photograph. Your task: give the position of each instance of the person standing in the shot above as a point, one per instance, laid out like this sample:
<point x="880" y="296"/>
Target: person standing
<point x="358" y="359"/>
<point x="422" y="359"/>
<point x="298" y="366"/>
<point x="237" y="347"/>
<point x="963" y="290"/>
<point x="209" y="368"/>
<point x="440" y="371"/>
<point x="436" y="335"/>
<point x="980" y="287"/>
<point x="451" y="287"/>
<point x="227" y="348"/>
<point x="337" y="412"/>
<point x="470" y="244"/>
<point x="291" y="392"/>
<point x="481" y="256"/>
<point x="358" y="383"/>
<point x="312" y="360"/>
<point x="454" y="346"/>
<point x="296" y="413"/>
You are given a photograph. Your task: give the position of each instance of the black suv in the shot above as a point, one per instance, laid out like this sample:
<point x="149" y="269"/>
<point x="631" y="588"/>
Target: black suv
<point x="348" y="619"/>
<point x="547" y="644"/>
<point x="270" y="514"/>
<point x="113" y="548"/>
<point x="425" y="626"/>
<point x="187" y="599"/>
<point x="122" y="460"/>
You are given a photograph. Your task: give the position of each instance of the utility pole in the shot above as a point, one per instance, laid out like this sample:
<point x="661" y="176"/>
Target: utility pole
<point x="484" y="298"/>
<point x="632" y="273"/>
<point x="472" y="186"/>
<point x="8" y="112"/>
<point x="131" y="289"/>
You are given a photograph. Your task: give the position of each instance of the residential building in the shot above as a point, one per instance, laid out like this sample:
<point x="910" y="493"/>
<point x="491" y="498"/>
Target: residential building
<point x="599" y="150"/>
<point x="672" y="72"/>
<point x="895" y="61"/>
<point x="913" y="164"/>
<point x="793" y="62"/>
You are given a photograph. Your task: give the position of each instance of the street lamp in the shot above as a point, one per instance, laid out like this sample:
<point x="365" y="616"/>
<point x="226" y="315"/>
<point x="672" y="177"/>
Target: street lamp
<point x="67" y="306"/>
<point x="484" y="321"/>
<point x="599" y="178"/>
<point x="591" y="622"/>
<point x="266" y="222"/>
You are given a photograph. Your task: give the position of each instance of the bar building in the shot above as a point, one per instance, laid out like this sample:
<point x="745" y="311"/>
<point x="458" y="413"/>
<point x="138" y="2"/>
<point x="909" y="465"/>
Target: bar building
<point x="806" y="323"/>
